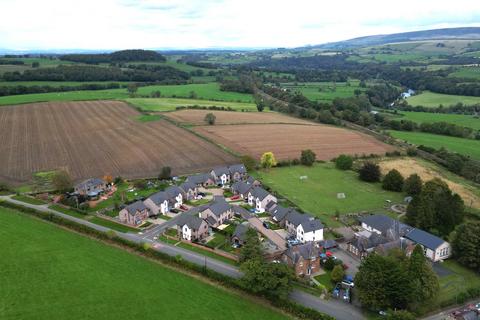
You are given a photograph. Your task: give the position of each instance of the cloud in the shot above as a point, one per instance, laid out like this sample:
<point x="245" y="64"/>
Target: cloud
<point x="116" y="24"/>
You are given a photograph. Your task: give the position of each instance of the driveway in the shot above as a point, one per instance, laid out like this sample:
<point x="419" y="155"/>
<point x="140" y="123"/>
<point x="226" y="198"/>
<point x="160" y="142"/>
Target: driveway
<point x="352" y="262"/>
<point x="269" y="233"/>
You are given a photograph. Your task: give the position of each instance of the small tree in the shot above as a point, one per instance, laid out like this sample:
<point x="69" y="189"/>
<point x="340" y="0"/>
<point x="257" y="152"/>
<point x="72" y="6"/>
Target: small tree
<point x="248" y="162"/>
<point x="413" y="185"/>
<point x="62" y="181"/>
<point x="268" y="160"/>
<point x="132" y="89"/>
<point x="210" y="118"/>
<point x="308" y="157"/>
<point x="140" y="184"/>
<point x="337" y="273"/>
<point x="370" y="172"/>
<point x="118" y="180"/>
<point x="165" y="174"/>
<point x="252" y="249"/>
<point x="260" y="106"/>
<point x="35" y="64"/>
<point x="393" y="181"/>
<point x="344" y="162"/>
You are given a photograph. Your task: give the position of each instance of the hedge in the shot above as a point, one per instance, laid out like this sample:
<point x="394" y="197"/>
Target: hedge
<point x="175" y="261"/>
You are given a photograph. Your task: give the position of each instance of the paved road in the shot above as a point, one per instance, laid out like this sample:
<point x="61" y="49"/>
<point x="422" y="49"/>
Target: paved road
<point x="337" y="309"/>
<point x="444" y="313"/>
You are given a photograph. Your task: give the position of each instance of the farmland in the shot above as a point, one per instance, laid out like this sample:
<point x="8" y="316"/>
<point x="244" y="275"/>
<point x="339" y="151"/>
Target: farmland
<point x="286" y="141"/>
<point x="467" y="72"/>
<point x="325" y="91"/>
<point x="196" y="117"/>
<point x="317" y="193"/>
<point x="169" y="104"/>
<point x="427" y="117"/>
<point x="463" y="146"/>
<point x="50" y="273"/>
<point x="433" y="100"/>
<point x="94" y="138"/>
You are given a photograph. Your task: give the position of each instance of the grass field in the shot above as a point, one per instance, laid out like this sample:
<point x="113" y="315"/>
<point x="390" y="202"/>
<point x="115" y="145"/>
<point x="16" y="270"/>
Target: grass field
<point x="27" y="199"/>
<point x="170" y="104"/>
<point x="433" y="100"/>
<point x="55" y="83"/>
<point x="427" y="117"/>
<point x="112" y="225"/>
<point x="50" y="273"/>
<point x="317" y="194"/>
<point x="325" y="91"/>
<point x="467" y="72"/>
<point x="463" y="146"/>
<point x="460" y="280"/>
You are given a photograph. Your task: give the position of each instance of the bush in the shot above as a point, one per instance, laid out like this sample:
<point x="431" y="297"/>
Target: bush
<point x="210" y="118"/>
<point x="370" y="172"/>
<point x="165" y="174"/>
<point x="393" y="181"/>
<point x="118" y="180"/>
<point x="307" y="157"/>
<point x="329" y="264"/>
<point x="413" y="185"/>
<point x="344" y="162"/>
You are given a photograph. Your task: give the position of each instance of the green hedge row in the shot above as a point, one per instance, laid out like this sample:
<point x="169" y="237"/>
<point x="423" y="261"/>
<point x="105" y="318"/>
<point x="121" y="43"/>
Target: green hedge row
<point x="288" y="306"/>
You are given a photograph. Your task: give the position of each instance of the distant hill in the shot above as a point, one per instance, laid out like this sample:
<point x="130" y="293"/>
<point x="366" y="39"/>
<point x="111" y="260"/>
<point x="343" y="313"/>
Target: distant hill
<point x="436" y="34"/>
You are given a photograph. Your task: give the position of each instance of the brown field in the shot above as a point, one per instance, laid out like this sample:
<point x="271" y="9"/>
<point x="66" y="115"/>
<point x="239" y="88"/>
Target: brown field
<point x="427" y="171"/>
<point x="94" y="138"/>
<point x="196" y="117"/>
<point x="286" y="141"/>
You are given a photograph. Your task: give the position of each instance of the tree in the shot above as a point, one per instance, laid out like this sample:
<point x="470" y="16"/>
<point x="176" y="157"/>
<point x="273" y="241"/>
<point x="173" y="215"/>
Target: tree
<point x="413" y="185"/>
<point x="337" y="273"/>
<point x="248" y="162"/>
<point x="192" y="95"/>
<point x="210" y="118"/>
<point x="344" y="162"/>
<point x="165" y="174"/>
<point x="329" y="264"/>
<point x="118" y="180"/>
<point x="370" y="172"/>
<point x="424" y="281"/>
<point x="35" y="64"/>
<point x="466" y="244"/>
<point x="268" y="160"/>
<point x="400" y="315"/>
<point x="252" y="249"/>
<point x="307" y="157"/>
<point x="393" y="181"/>
<point x="62" y="181"/>
<point x="260" y="106"/>
<point x="132" y="89"/>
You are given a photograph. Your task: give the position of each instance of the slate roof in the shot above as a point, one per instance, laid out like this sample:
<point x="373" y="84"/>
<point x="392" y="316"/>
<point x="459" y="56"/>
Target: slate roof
<point x="159" y="197"/>
<point x="270" y="206"/>
<point x="221" y="170"/>
<point x="241" y="187"/>
<point x="259" y="193"/>
<point x="93" y="182"/>
<point x="136" y="206"/>
<point x="244" y="213"/>
<point x="241" y="232"/>
<point x="328" y="244"/>
<point x="187" y="185"/>
<point x="193" y="222"/>
<point x="199" y="178"/>
<point x="307" y="251"/>
<point x="384" y="223"/>
<point x="250" y="180"/>
<point x="279" y="213"/>
<point x="240" y="168"/>
<point x="296" y="218"/>
<point x="211" y="220"/>
<point x="219" y="206"/>
<point x="365" y="244"/>
<point x="312" y="225"/>
<point x="173" y="191"/>
<point x="424" y="238"/>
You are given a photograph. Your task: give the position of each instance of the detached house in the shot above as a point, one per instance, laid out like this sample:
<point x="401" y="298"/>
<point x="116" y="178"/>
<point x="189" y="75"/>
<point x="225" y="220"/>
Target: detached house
<point x="201" y="180"/>
<point x="240" y="234"/>
<point x="259" y="198"/>
<point x="192" y="228"/>
<point x="158" y="203"/>
<point x="217" y="213"/>
<point x="241" y="188"/>
<point x="237" y="172"/>
<point x="305" y="258"/>
<point x="303" y="226"/>
<point x="190" y="190"/>
<point x="278" y="214"/>
<point x="91" y="187"/>
<point x="134" y="214"/>
<point x="175" y="195"/>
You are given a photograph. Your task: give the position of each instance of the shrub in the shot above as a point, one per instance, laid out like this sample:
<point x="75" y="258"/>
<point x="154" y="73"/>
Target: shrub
<point x="307" y="157"/>
<point x="140" y="184"/>
<point x="370" y="172"/>
<point x="344" y="162"/>
<point x="393" y="181"/>
<point x="210" y="118"/>
<point x="413" y="185"/>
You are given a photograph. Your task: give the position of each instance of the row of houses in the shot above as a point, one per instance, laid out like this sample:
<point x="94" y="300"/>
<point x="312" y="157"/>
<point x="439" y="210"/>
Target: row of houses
<point x="381" y="234"/>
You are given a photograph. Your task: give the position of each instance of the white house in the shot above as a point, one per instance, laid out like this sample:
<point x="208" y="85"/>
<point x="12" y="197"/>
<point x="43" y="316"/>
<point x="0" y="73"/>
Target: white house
<point x="192" y="228"/>
<point x="310" y="230"/>
<point x="175" y="195"/>
<point x="259" y="198"/>
<point x="221" y="175"/>
<point x="434" y="248"/>
<point x="158" y="203"/>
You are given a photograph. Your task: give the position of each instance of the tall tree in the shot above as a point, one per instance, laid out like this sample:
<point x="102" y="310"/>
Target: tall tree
<point x="165" y="174"/>
<point x="424" y="281"/>
<point x="413" y="185"/>
<point x="307" y="157"/>
<point x="132" y="89"/>
<point x="393" y="181"/>
<point x="370" y="172"/>
<point x="466" y="244"/>
<point x="62" y="181"/>
<point x="252" y="249"/>
<point x="268" y="160"/>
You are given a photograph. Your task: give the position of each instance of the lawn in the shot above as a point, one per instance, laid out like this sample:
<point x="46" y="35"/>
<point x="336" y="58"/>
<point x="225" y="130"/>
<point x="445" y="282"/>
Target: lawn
<point x="112" y="225"/>
<point x="218" y="240"/>
<point x="317" y="193"/>
<point x="50" y="273"/>
<point x="170" y="104"/>
<point x="463" y="146"/>
<point x="433" y="100"/>
<point x="28" y="199"/>
<point x="326" y="280"/>
<point x="207" y="253"/>
<point x="64" y="210"/>
<point x="149" y="117"/>
<point x="458" y="119"/>
<point x="460" y="280"/>
<point x="325" y="91"/>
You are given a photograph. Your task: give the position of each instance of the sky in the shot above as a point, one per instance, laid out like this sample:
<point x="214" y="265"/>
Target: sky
<point x="186" y="24"/>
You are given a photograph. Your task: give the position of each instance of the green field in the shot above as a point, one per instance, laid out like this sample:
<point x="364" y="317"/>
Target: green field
<point x="50" y="273"/>
<point x="29" y="200"/>
<point x="169" y="104"/>
<point x="463" y="146"/>
<point x="460" y="280"/>
<point x="427" y="117"/>
<point x="433" y="100"/>
<point x="55" y="83"/>
<point x="467" y="72"/>
<point x="325" y="91"/>
<point x="317" y="194"/>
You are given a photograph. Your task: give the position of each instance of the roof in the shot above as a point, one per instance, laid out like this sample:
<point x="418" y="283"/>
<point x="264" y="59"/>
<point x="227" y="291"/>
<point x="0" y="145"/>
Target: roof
<point x="173" y="191"/>
<point x="199" y="178"/>
<point x="219" y="206"/>
<point x="311" y="225"/>
<point x="279" y="213"/>
<point x="241" y="187"/>
<point x="250" y="180"/>
<point x="159" y="197"/>
<point x="259" y="192"/>
<point x="384" y="223"/>
<point x="220" y="170"/>
<point x="296" y="218"/>
<point x="93" y="182"/>
<point x="365" y="244"/>
<point x="187" y="185"/>
<point x="244" y="213"/>
<point x="425" y="239"/>
<point x="307" y="251"/>
<point x="241" y="232"/>
<point x="193" y="222"/>
<point x="327" y="244"/>
<point x="136" y="206"/>
<point x="270" y="206"/>
<point x="211" y="220"/>
<point x="240" y="168"/>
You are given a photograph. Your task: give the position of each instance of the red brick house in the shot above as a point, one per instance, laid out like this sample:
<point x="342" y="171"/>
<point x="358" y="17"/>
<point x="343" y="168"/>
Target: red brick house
<point x="304" y="259"/>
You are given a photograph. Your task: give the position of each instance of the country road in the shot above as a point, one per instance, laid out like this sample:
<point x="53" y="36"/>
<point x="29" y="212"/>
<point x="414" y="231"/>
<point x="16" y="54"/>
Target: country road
<point x="334" y="308"/>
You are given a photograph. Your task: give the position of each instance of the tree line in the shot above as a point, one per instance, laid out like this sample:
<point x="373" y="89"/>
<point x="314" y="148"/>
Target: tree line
<point x="442" y="128"/>
<point x="117" y="56"/>
<point x="15" y="90"/>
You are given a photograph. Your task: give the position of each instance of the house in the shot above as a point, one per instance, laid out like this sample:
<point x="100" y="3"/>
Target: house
<point x="175" y="196"/>
<point x="293" y="219"/>
<point x="241" y="188"/>
<point x="158" y="203"/>
<point x="190" y="190"/>
<point x="217" y="213"/>
<point x="310" y="230"/>
<point x="254" y="182"/>
<point x="241" y="212"/>
<point x="304" y="258"/>
<point x="384" y="225"/>
<point x="221" y="175"/>
<point x="279" y="213"/>
<point x="259" y="198"/>
<point x="435" y="248"/>
<point x="237" y="172"/>
<point x="240" y="234"/>
<point x="192" y="228"/>
<point x="365" y="242"/>
<point x="134" y="214"/>
<point x="91" y="187"/>
<point x="201" y="180"/>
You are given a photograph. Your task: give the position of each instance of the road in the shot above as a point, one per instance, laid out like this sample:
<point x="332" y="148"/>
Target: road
<point x="337" y="309"/>
<point x="444" y="313"/>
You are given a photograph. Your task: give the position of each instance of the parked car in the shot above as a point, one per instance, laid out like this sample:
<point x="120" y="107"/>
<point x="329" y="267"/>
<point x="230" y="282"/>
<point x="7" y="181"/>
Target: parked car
<point x="346" y="294"/>
<point x="236" y="197"/>
<point x="348" y="281"/>
<point x="336" y="290"/>
<point x="266" y="226"/>
<point x="202" y="194"/>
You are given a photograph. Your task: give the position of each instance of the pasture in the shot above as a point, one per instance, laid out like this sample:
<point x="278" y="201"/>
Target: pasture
<point x="91" y="139"/>
<point x="286" y="141"/>
<point x="466" y="147"/>
<point x="170" y="104"/>
<point x="51" y="273"/>
<point x="317" y="192"/>
<point x="196" y="117"/>
<point x="459" y="119"/>
<point x="325" y="91"/>
<point x="432" y="100"/>
<point x="467" y="72"/>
